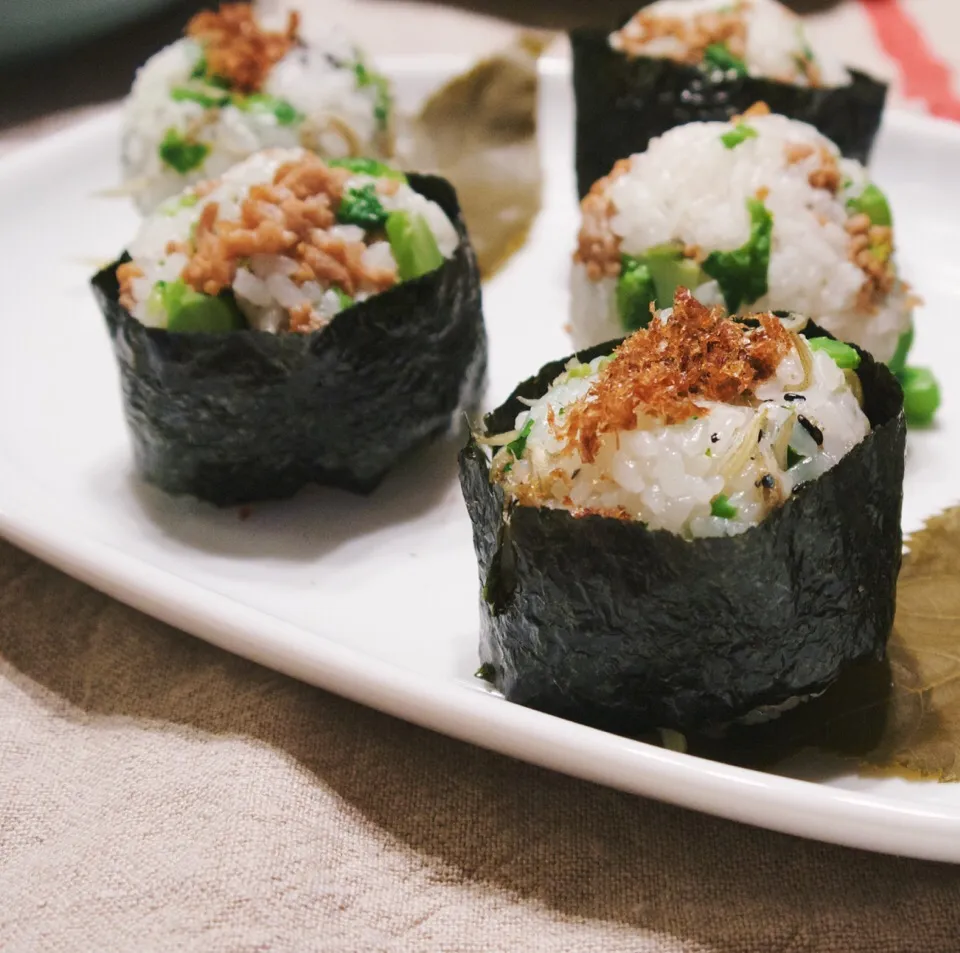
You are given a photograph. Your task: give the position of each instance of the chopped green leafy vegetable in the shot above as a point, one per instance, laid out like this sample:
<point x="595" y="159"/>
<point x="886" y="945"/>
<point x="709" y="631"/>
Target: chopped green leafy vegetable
<point x="517" y="446"/>
<point x="742" y="273"/>
<point x="671" y="270"/>
<point x="872" y="203"/>
<point x="844" y="356"/>
<point x="180" y="153"/>
<point x="345" y="300"/>
<point x="921" y="395"/>
<point x="367" y="77"/>
<point x="199" y="69"/>
<point x="190" y="311"/>
<point x="740" y="133"/>
<point x="361" y="206"/>
<point x="898" y="362"/>
<point x="285" y="114"/>
<point x="178" y="202"/>
<point x="486" y="672"/>
<point x="182" y="94"/>
<point x="721" y="506"/>
<point x="719" y="57"/>
<point x="793" y="458"/>
<point x="635" y="293"/>
<point x="372" y="167"/>
<point x="414" y="248"/>
<point x="200" y="72"/>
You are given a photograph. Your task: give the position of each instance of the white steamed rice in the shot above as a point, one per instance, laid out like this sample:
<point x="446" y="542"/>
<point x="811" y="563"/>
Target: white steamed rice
<point x="319" y="81"/>
<point x="263" y="289"/>
<point x="668" y="476"/>
<point x="776" y="39"/>
<point x="689" y="187"/>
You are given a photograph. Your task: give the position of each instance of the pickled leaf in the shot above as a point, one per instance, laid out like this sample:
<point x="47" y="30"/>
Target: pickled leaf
<point x="479" y="131"/>
<point x="901" y="716"/>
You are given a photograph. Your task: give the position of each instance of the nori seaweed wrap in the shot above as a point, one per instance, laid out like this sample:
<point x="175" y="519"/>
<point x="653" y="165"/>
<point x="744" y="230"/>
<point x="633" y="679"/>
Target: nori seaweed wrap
<point x="244" y="412"/>
<point x="622" y="102"/>
<point x="598" y="617"/>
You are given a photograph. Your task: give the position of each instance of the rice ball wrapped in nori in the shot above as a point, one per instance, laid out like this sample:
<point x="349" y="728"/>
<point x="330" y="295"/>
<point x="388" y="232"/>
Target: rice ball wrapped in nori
<point x="233" y="86"/>
<point x="679" y="61"/>
<point x="294" y="321"/>
<point x="702" y="522"/>
<point x="761" y="213"/>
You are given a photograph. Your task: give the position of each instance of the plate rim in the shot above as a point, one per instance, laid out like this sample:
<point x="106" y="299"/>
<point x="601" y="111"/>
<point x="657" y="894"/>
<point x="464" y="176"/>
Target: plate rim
<point x="449" y="706"/>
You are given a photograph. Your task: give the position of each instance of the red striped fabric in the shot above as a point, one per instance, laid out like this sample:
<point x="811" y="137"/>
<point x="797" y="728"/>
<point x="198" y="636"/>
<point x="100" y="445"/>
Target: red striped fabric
<point x="923" y="74"/>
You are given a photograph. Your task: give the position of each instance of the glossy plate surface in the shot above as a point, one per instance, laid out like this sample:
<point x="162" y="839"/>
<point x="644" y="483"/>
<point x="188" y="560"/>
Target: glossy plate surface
<point x="376" y="598"/>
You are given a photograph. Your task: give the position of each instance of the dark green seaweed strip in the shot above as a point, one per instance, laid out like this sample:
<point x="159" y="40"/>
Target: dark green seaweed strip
<point x="622" y="103"/>
<point x="247" y="415"/>
<point x="608" y="623"/>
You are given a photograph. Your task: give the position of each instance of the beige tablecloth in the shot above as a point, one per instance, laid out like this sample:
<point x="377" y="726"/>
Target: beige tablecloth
<point x="158" y="794"/>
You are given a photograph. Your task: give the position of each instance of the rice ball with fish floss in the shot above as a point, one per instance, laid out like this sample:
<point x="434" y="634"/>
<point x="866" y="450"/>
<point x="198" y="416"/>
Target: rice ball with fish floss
<point x="698" y="523"/>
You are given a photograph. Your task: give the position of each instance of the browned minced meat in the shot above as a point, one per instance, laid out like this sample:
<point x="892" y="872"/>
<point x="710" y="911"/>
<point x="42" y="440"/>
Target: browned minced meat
<point x="598" y="247"/>
<point x="125" y="276"/>
<point x="694" y="35"/>
<point x="880" y="274"/>
<point x="759" y="108"/>
<point x="699" y="354"/>
<point x="798" y="151"/>
<point x="827" y="174"/>
<point x="290" y="217"/>
<point x="236" y="48"/>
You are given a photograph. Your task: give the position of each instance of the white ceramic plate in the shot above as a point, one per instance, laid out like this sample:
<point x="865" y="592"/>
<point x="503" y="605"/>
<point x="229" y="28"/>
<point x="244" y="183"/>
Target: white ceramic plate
<point x="376" y="599"/>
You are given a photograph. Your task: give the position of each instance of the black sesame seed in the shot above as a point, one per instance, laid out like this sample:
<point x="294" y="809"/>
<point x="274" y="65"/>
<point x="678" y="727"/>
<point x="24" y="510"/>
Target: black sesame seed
<point x="760" y="436"/>
<point x="714" y="438"/>
<point x="766" y="481"/>
<point x="811" y="429"/>
<point x="792" y="397"/>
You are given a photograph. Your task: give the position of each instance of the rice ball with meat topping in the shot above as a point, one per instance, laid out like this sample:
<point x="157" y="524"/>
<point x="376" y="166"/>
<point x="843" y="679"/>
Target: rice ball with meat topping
<point x="699" y="425"/>
<point x="281" y="242"/>
<point x="760" y="213"/>
<point x="746" y="37"/>
<point x="233" y="86"/>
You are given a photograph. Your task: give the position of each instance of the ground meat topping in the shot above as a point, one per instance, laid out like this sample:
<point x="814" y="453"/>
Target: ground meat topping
<point x="235" y="46"/>
<point x="871" y="250"/>
<point x="598" y="246"/>
<point x="693" y="35"/>
<point x="827" y="174"/>
<point x="699" y="354"/>
<point x="292" y="217"/>
<point x="126" y="273"/>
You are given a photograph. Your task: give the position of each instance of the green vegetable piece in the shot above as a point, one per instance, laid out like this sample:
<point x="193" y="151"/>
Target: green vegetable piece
<point x="722" y="507"/>
<point x="517" y="446"/>
<point x="872" y="203"/>
<point x="742" y="273"/>
<point x="413" y="245"/>
<point x="363" y="166"/>
<point x="199" y="69"/>
<point x="285" y="114"/>
<point x="182" y="94"/>
<point x="486" y="672"/>
<point x="844" y="356"/>
<point x="670" y="270"/>
<point x="382" y="104"/>
<point x="180" y="153"/>
<point x="740" y="133"/>
<point x="345" y="300"/>
<point x="190" y="311"/>
<point x="898" y="362"/>
<point x="921" y="395"/>
<point x="793" y="458"/>
<point x="635" y="293"/>
<point x="362" y="207"/>
<point x="719" y="57"/>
